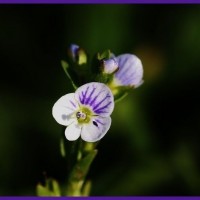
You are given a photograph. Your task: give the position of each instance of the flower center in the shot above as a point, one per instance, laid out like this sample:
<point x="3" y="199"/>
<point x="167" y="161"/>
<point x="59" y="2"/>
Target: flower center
<point x="83" y="115"/>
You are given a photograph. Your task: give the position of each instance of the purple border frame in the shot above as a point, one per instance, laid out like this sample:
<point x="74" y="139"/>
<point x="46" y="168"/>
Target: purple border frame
<point x="99" y="1"/>
<point x="106" y="198"/>
<point x="102" y="2"/>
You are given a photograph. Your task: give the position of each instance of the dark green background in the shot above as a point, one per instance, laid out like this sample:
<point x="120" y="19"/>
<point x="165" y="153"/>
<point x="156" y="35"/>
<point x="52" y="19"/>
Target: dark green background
<point x="152" y="147"/>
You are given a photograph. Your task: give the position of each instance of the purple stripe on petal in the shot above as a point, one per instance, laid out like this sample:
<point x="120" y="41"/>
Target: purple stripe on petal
<point x="101" y="112"/>
<point x="130" y="70"/>
<point x="122" y="69"/>
<point x="102" y="108"/>
<point x="124" y="72"/>
<point x="98" y="121"/>
<point x="128" y="78"/>
<point x="85" y="95"/>
<point x="81" y="97"/>
<point x="73" y="104"/>
<point x="94" y="100"/>
<point x="128" y="81"/>
<point x="97" y="105"/>
<point x="67" y="107"/>
<point x="96" y="95"/>
<point x="89" y="98"/>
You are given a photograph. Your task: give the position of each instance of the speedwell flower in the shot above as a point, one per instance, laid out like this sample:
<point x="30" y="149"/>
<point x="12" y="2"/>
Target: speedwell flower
<point x="86" y="112"/>
<point x="130" y="71"/>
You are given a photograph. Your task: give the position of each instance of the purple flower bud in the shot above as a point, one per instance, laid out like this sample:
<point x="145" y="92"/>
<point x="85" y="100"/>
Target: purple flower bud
<point x="78" y="54"/>
<point x="110" y="66"/>
<point x="74" y="50"/>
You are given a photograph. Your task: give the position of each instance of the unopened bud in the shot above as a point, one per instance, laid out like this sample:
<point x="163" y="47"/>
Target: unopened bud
<point x="110" y="66"/>
<point x="77" y="54"/>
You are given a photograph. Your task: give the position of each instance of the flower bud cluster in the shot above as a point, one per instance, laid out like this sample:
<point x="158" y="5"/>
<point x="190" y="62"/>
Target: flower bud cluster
<point x="120" y="73"/>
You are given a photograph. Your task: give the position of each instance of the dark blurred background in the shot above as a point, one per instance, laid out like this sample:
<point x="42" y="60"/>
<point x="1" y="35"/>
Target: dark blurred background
<point x="152" y="147"/>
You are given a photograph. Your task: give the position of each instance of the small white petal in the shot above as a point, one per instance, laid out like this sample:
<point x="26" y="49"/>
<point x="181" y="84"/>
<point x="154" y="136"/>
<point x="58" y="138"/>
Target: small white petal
<point x="63" y="110"/>
<point x="73" y="131"/>
<point x="97" y="96"/>
<point x="96" y="129"/>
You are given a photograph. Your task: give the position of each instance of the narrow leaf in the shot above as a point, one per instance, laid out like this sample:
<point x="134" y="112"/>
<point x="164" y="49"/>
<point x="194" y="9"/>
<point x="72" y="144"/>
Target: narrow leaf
<point x="65" y="66"/>
<point x="86" y="188"/>
<point x="105" y="55"/>
<point x="51" y="188"/>
<point x="42" y="190"/>
<point x="62" y="148"/>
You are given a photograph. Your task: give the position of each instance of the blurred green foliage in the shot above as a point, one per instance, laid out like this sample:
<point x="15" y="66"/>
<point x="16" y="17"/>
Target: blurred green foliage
<point x="152" y="147"/>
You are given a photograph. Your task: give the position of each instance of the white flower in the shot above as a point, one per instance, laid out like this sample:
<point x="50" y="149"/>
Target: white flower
<point x="86" y="112"/>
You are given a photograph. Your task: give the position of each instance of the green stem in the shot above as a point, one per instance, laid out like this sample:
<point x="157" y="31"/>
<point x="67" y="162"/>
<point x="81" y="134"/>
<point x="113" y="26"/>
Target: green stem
<point x="77" y="185"/>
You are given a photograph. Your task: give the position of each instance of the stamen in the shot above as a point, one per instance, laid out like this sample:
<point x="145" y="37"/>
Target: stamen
<point x="81" y="115"/>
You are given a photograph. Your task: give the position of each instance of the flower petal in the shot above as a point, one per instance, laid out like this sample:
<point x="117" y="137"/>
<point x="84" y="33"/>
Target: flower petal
<point x="73" y="131"/>
<point x="96" y="129"/>
<point x="97" y="96"/>
<point x="130" y="70"/>
<point x="64" y="109"/>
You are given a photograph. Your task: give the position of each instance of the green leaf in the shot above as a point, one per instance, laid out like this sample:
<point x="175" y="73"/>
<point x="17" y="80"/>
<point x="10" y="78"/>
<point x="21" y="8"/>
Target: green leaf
<point x="51" y="188"/>
<point x="42" y="191"/>
<point x="56" y="188"/>
<point x="65" y="66"/>
<point x="86" y="188"/>
<point x="105" y="55"/>
<point x="82" y="57"/>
